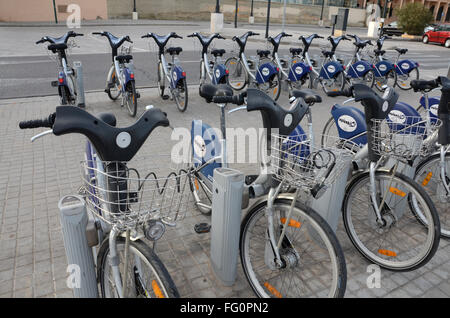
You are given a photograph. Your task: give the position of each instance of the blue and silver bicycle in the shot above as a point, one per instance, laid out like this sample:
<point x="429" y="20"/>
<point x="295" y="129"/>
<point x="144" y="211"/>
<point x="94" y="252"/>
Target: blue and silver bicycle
<point x="172" y="72"/>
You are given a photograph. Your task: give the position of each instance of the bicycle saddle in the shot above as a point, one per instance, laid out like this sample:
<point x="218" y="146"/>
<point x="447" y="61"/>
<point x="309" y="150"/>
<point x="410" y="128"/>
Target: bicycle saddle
<point x="174" y="50"/>
<point x="57" y="47"/>
<point x="263" y="53"/>
<point x="273" y="115"/>
<point x="401" y="51"/>
<point x="308" y="95"/>
<point x="379" y="52"/>
<point x="327" y="53"/>
<point x="218" y="52"/>
<point x="111" y="143"/>
<point x="124" y="58"/>
<point x="208" y="91"/>
<point x="295" y="51"/>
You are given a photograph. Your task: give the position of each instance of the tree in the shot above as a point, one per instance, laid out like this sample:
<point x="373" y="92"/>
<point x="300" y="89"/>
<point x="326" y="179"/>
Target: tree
<point x="414" y="17"/>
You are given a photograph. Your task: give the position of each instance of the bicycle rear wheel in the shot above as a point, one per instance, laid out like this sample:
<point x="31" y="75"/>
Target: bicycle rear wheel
<point x="390" y="79"/>
<point x="313" y="262"/>
<point x="272" y="87"/>
<point x="334" y="84"/>
<point x="180" y="95"/>
<point x="428" y="175"/>
<point x="402" y="242"/>
<point x="131" y="100"/>
<point x="404" y="80"/>
<point x="237" y="76"/>
<point x="147" y="276"/>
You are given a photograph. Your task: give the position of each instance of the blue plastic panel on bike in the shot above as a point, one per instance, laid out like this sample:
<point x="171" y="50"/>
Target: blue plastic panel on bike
<point x="402" y="116"/>
<point x="205" y="143"/>
<point x="265" y="72"/>
<point x="433" y="105"/>
<point x="298" y="71"/>
<point x="330" y="70"/>
<point x="219" y="74"/>
<point x="177" y="75"/>
<point x="127" y="73"/>
<point x="292" y="143"/>
<point x="382" y="68"/>
<point x="405" y="66"/>
<point x="359" y="69"/>
<point x="351" y="123"/>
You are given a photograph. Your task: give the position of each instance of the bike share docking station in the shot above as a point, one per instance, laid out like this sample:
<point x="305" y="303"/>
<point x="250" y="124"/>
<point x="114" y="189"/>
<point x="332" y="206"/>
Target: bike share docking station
<point x="228" y="187"/>
<point x="80" y="84"/>
<point x="79" y="234"/>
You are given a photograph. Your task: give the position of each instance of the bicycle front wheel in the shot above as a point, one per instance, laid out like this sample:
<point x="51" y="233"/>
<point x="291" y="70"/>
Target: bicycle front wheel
<point x="147" y="276"/>
<point x="237" y="76"/>
<point x="428" y="175"/>
<point x="401" y="241"/>
<point x="313" y="264"/>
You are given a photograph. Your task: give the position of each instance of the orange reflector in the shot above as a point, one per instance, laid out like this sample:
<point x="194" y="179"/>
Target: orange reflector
<point x="387" y="253"/>
<point x="232" y="63"/>
<point x="427" y="179"/>
<point x="292" y="222"/>
<point x="294" y="61"/>
<point x="397" y="191"/>
<point x="196" y="183"/>
<point x="157" y="290"/>
<point x="238" y="84"/>
<point x="275" y="90"/>
<point x="272" y="290"/>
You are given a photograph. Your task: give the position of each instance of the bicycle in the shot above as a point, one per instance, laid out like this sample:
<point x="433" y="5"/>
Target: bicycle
<point x="293" y="71"/>
<point x="120" y="80"/>
<point x="293" y="240"/>
<point x="242" y="73"/>
<point x="405" y="70"/>
<point x="67" y="78"/>
<point x="358" y="70"/>
<point x="379" y="201"/>
<point x="217" y="72"/>
<point x="331" y="75"/>
<point x="126" y="206"/>
<point x="172" y="72"/>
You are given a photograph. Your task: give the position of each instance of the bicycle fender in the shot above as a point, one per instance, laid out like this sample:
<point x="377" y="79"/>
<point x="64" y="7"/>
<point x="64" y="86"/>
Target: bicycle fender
<point x="219" y="74"/>
<point x="330" y="70"/>
<point x="433" y="105"/>
<point x="350" y="122"/>
<point x="177" y="75"/>
<point x="62" y="79"/>
<point x="405" y="66"/>
<point x="359" y="69"/>
<point x="265" y="72"/>
<point x="382" y="68"/>
<point x="298" y="70"/>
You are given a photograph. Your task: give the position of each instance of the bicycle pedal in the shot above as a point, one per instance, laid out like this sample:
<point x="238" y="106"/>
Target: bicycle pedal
<point x="202" y="228"/>
<point x="165" y="97"/>
<point x="138" y="95"/>
<point x="110" y="85"/>
<point x="54" y="83"/>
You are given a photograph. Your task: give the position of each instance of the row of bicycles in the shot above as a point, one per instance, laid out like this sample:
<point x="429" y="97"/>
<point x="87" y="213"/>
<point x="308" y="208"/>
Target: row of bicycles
<point x="266" y="73"/>
<point x="385" y="170"/>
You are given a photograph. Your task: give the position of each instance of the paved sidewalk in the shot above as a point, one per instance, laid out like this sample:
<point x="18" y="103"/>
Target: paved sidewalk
<point x="34" y="176"/>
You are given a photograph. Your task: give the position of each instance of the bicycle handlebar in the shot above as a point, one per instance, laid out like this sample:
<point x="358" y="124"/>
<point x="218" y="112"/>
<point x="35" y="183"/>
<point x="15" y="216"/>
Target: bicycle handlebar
<point x="38" y="123"/>
<point x="347" y="92"/>
<point x="235" y="99"/>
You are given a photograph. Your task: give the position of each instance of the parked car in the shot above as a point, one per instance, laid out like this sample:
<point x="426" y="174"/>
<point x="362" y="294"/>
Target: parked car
<point x="440" y="34"/>
<point x="391" y="29"/>
<point x="429" y="27"/>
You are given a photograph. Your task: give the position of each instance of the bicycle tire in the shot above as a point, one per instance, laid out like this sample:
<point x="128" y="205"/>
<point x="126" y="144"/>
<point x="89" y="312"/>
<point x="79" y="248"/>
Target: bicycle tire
<point x="387" y="253"/>
<point x="271" y="289"/>
<point x="232" y="72"/>
<point x="161" y="80"/>
<point x="202" y="195"/>
<point x="272" y="91"/>
<point x="131" y="99"/>
<point x="181" y="89"/>
<point x="441" y="200"/>
<point x="326" y="131"/>
<point x="341" y="86"/>
<point x="113" y="80"/>
<point x="410" y="77"/>
<point x="162" y="285"/>
<point x="391" y="74"/>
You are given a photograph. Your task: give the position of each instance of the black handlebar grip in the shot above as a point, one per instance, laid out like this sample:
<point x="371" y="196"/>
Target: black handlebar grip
<point x="40" y="41"/>
<point x="38" y="123"/>
<point x="348" y="92"/>
<point x="236" y="99"/>
<point x="97" y="33"/>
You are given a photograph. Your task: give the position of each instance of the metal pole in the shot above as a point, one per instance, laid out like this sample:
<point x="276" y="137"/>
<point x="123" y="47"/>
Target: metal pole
<point x="385" y="8"/>
<point x="284" y="15"/>
<point x="251" y="10"/>
<point x="321" y="12"/>
<point x="268" y="19"/>
<point x="54" y="11"/>
<point x="134" y="5"/>
<point x="236" y="14"/>
<point x="218" y="6"/>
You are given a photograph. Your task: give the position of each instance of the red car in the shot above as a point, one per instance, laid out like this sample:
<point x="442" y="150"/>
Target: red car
<point x="440" y="34"/>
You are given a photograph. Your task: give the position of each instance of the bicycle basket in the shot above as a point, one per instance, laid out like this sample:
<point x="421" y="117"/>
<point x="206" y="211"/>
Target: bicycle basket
<point x="122" y="196"/>
<point x="401" y="137"/>
<point x="297" y="162"/>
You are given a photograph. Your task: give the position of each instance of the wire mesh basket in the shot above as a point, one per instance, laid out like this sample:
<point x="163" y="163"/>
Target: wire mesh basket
<point x="403" y="137"/>
<point x="125" y="50"/>
<point x="122" y="196"/>
<point x="297" y="162"/>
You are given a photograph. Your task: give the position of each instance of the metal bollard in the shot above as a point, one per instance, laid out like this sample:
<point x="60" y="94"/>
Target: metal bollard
<point x="225" y="223"/>
<point x="74" y="220"/>
<point x="80" y="84"/>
